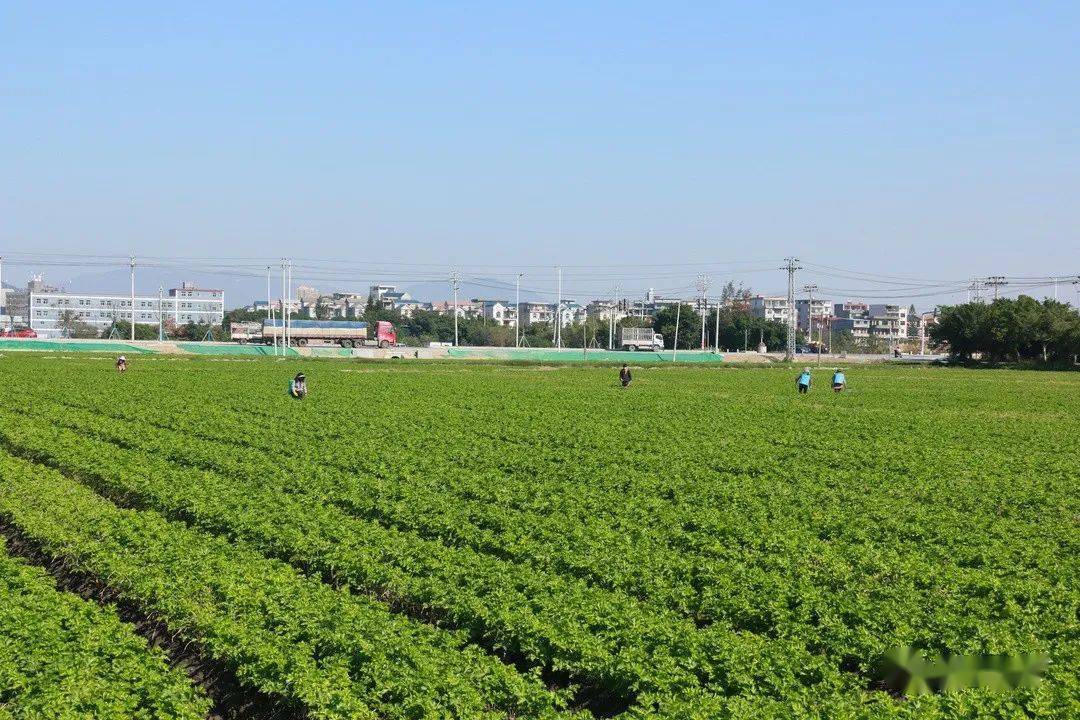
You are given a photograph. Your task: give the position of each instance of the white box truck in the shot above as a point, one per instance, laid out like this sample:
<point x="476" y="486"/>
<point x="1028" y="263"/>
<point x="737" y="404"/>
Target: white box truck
<point x="635" y="338"/>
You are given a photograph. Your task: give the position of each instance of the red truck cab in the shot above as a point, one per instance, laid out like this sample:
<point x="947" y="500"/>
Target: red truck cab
<point x="385" y="334"/>
<point x="21" y="333"/>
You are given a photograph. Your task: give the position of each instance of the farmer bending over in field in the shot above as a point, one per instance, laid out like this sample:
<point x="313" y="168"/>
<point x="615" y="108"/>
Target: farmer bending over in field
<point x="298" y="386"/>
<point x="121" y="364"/>
<point x="624" y="376"/>
<point x="803" y="381"/>
<point x="838" y="381"/>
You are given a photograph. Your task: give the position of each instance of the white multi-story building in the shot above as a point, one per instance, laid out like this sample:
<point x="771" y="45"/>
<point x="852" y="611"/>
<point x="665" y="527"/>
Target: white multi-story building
<point x="813" y="319"/>
<point x="885" y="321"/>
<point x="819" y="312"/>
<point x="572" y="313"/>
<point x="605" y="310"/>
<point x="180" y="306"/>
<point x="770" y="307"/>
<point x="535" y="312"/>
<point x="893" y="320"/>
<point x="463" y="309"/>
<point x="497" y="312"/>
<point x="376" y="292"/>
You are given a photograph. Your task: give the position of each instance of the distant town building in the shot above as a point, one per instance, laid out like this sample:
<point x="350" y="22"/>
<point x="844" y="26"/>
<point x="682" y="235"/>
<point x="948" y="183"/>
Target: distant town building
<point x="892" y="320"/>
<point x="532" y="313"/>
<point x="885" y="321"/>
<point x="605" y="310"/>
<point x="408" y="308"/>
<point x="377" y="291"/>
<point x="572" y="313"/>
<point x="185" y="304"/>
<point x="498" y="312"/>
<point x="770" y="307"/>
<point x="306" y="294"/>
<point x="465" y="309"/>
<point x="813" y="319"/>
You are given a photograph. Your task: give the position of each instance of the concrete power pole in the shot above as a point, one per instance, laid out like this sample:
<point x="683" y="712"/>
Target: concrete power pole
<point x="455" y="283"/>
<point x="133" y="297"/>
<point x="160" y="314"/>
<point x="284" y="339"/>
<point x="611" y="318"/>
<point x="791" y="264"/>
<point x="558" y="307"/>
<point x="675" y="340"/>
<point x="810" y="290"/>
<point x="517" y="310"/>
<point x="996" y="281"/>
<point x="289" y="304"/>
<point x="702" y="285"/>
<point x="716" y="331"/>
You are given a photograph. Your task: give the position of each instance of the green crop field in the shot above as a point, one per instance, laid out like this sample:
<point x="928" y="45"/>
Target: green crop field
<point x="456" y="540"/>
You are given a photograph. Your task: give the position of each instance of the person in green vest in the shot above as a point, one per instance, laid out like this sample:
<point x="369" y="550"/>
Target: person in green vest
<point x="803" y="381"/>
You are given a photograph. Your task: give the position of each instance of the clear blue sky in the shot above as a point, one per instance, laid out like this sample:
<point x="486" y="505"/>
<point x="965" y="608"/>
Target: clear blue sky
<point x="932" y="139"/>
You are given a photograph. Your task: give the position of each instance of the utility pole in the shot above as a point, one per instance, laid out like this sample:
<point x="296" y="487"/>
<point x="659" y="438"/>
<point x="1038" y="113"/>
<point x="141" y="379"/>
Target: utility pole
<point x="160" y="314"/>
<point x="558" y="305"/>
<point x="3" y="295"/>
<point x="975" y="291"/>
<point x="1055" y="281"/>
<point x="996" y="281"/>
<point x="288" y="304"/>
<point x="675" y="340"/>
<point x="922" y="337"/>
<point x="810" y="290"/>
<point x="270" y="311"/>
<point x="1076" y="284"/>
<point x="702" y="285"/>
<point x="517" y="311"/>
<point x="791" y="264"/>
<point x="716" y="333"/>
<point x="133" y="296"/>
<point x="284" y="339"/>
<point x="611" y="318"/>
<point x="455" y="283"/>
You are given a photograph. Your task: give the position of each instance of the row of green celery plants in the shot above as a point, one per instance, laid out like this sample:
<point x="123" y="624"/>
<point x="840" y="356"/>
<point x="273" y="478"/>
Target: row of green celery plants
<point x="338" y="654"/>
<point x="62" y="656"/>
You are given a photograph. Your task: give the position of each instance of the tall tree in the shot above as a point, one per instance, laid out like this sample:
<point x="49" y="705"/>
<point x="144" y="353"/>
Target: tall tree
<point x="689" y="322"/>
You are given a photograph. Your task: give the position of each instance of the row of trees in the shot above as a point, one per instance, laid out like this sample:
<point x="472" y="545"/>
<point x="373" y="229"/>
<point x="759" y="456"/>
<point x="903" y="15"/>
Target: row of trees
<point x="1007" y="329"/>
<point x="71" y="326"/>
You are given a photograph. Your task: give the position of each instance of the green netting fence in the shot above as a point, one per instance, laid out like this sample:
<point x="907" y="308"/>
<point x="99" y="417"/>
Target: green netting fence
<point x="70" y="346"/>
<point x="209" y="349"/>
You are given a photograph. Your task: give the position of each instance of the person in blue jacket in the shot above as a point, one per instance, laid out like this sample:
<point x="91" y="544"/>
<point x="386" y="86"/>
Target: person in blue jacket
<point x="839" y="382"/>
<point x="803" y="381"/>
